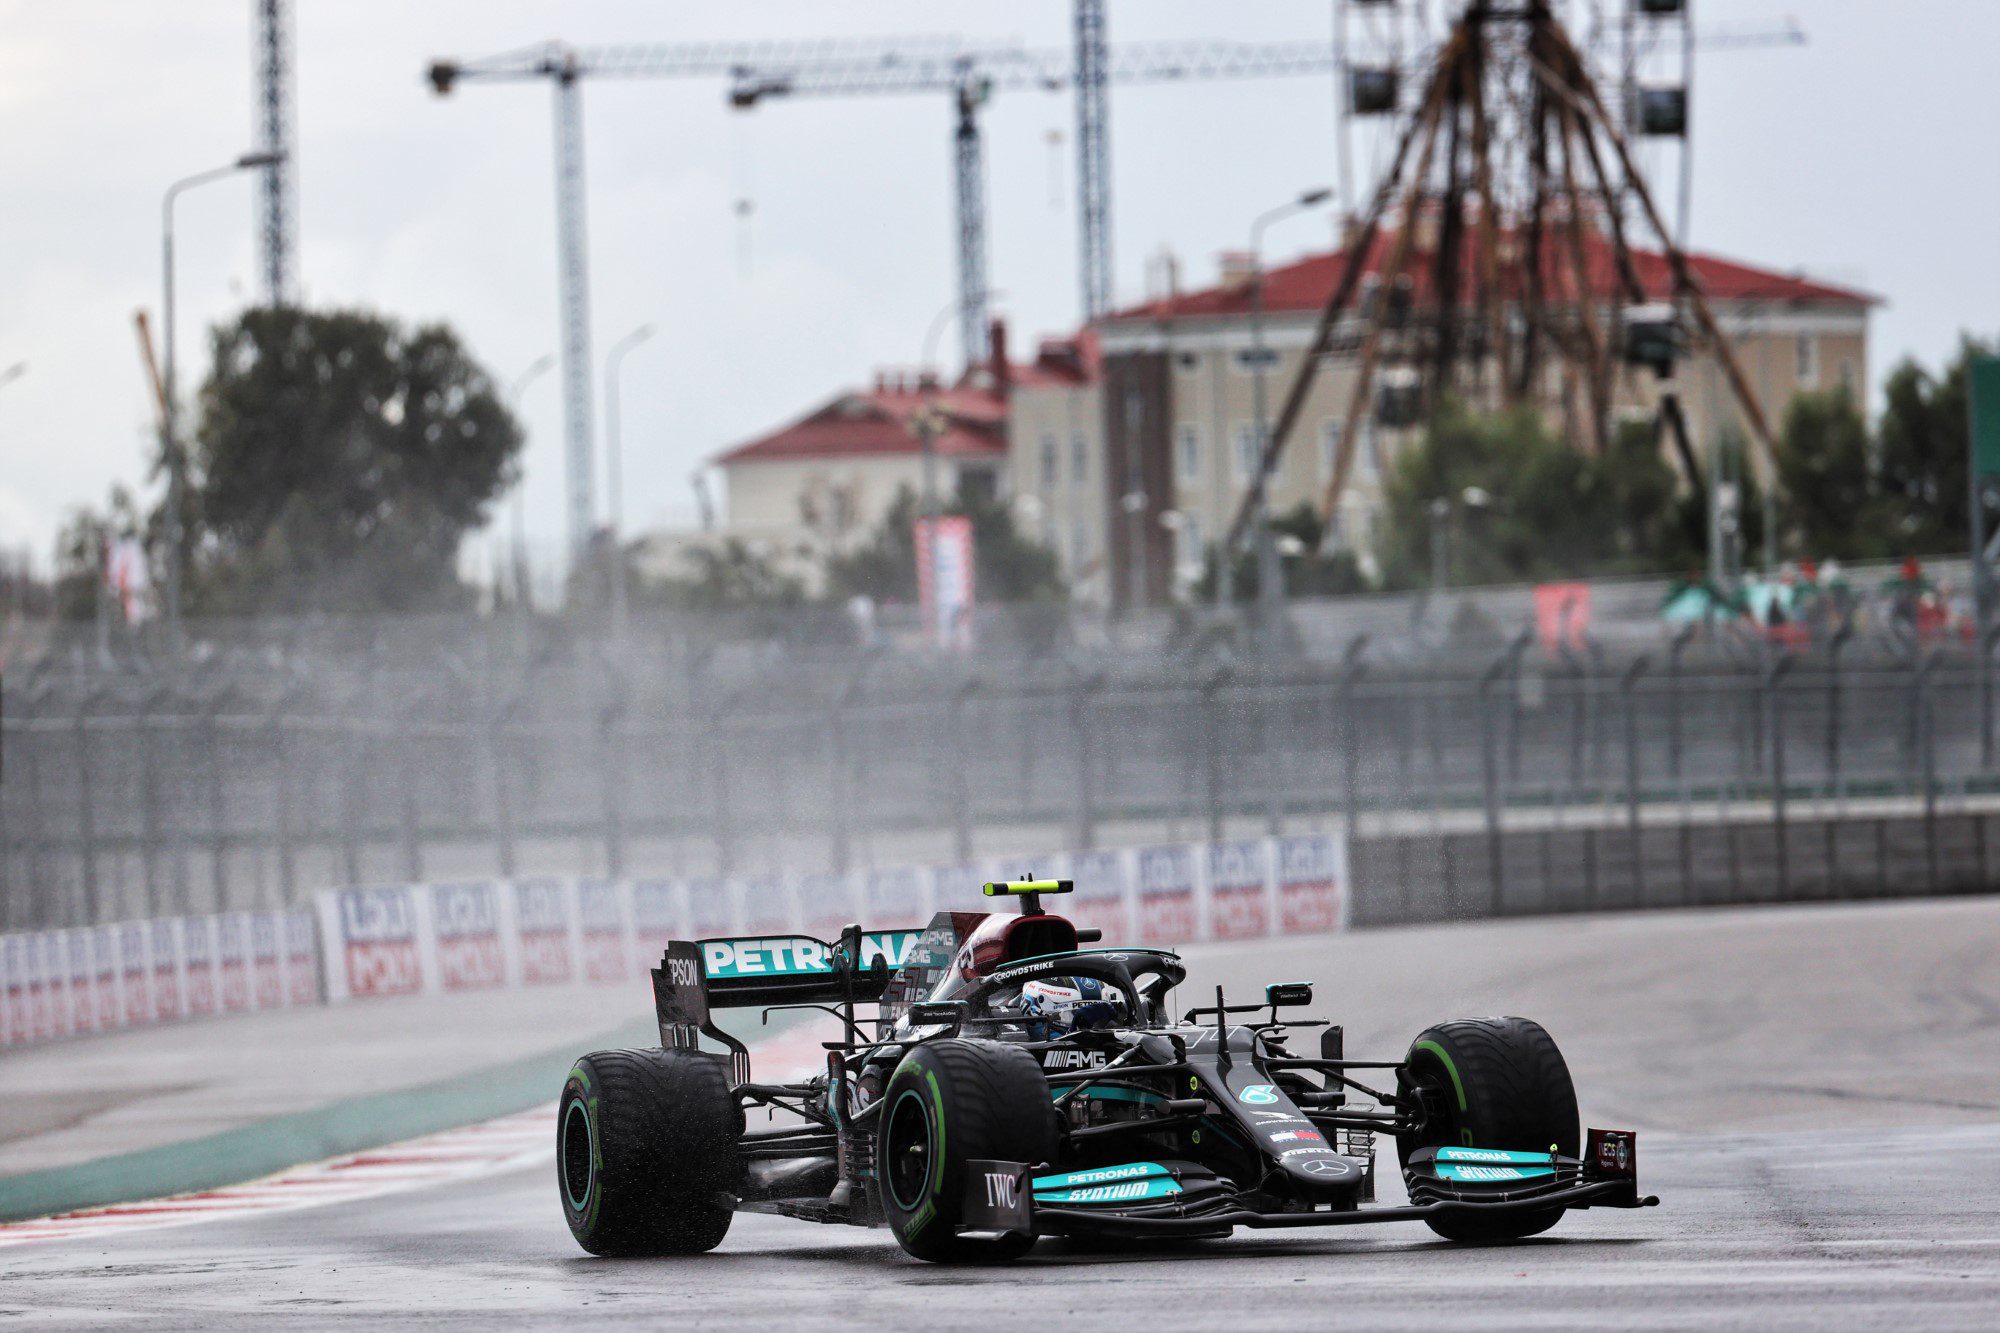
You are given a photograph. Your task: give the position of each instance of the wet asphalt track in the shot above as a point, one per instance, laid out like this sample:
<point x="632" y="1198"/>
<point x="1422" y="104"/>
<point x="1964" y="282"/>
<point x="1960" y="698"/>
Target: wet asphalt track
<point x="1818" y="1092"/>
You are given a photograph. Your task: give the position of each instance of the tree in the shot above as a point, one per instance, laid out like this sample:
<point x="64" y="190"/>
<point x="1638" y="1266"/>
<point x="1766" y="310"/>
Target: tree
<point x="1923" y="446"/>
<point x="1827" y="480"/>
<point x="81" y="546"/>
<point x="1007" y="567"/>
<point x="732" y="576"/>
<point x="339" y="462"/>
<point x="1308" y="572"/>
<point x="1533" y="513"/>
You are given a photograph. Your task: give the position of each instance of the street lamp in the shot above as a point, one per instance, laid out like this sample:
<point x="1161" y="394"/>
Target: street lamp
<point x="615" y="462"/>
<point x="537" y="368"/>
<point x="170" y="411"/>
<point x="1270" y="591"/>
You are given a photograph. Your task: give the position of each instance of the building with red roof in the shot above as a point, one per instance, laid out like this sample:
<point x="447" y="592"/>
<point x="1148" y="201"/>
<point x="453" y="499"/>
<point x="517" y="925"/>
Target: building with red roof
<point x="1180" y="428"/>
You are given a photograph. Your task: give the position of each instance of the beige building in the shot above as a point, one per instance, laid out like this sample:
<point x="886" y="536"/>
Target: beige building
<point x="1179" y="422"/>
<point x="823" y="484"/>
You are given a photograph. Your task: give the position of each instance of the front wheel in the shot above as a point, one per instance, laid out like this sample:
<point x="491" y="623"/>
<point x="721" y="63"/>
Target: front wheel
<point x="1492" y="1083"/>
<point x="646" y="1144"/>
<point x="948" y="1103"/>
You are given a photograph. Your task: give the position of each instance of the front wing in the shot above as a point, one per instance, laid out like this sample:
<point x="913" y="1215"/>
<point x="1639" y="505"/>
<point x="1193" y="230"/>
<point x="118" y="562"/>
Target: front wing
<point x="1155" y="1199"/>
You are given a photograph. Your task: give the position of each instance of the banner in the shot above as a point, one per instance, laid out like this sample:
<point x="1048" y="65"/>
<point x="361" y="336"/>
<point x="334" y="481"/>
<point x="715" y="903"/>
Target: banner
<point x="1166" y="882"/>
<point x="1239" y="889"/>
<point x="134" y="966"/>
<point x="87" y="979"/>
<point x="301" y="959"/>
<point x="1103" y="890"/>
<point x="657" y="914"/>
<point x="466" y="920"/>
<point x="605" y="941"/>
<point x="232" y="952"/>
<point x="168" y="1003"/>
<point x="1312" y="883"/>
<point x="827" y="905"/>
<point x="768" y="905"/>
<point x="541" y="918"/>
<point x="897" y="898"/>
<point x="82" y="982"/>
<point x="371" y="936"/>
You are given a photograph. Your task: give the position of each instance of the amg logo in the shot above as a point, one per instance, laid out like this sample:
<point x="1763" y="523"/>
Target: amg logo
<point x="1066" y="1059"/>
<point x="1003" y="1190"/>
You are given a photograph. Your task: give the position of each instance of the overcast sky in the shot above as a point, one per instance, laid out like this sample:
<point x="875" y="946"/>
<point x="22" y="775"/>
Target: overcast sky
<point x="1868" y="157"/>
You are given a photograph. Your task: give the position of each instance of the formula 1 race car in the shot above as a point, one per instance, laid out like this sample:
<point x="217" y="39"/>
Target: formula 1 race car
<point x="1017" y="1084"/>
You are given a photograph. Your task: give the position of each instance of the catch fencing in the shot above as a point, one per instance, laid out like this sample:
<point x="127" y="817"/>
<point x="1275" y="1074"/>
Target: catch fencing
<point x="1587" y="774"/>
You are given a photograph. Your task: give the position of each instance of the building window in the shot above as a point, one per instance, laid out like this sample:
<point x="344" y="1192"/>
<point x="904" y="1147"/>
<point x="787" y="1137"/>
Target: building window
<point x="1248" y="451"/>
<point x="1079" y="459"/>
<point x="1190" y="540"/>
<point x="1329" y="449"/>
<point x="1247" y="359"/>
<point x="1079" y="542"/>
<point x="1808" y="354"/>
<point x="1190" y="453"/>
<point x="1847" y="385"/>
<point x="1048" y="461"/>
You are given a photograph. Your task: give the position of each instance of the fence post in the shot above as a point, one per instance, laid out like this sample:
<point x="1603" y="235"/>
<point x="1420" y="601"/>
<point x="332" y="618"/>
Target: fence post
<point x="504" y="832"/>
<point x="1988" y="637"/>
<point x="961" y="778"/>
<point x="1675" y="647"/>
<point x="1773" y="677"/>
<point x="1833" y="689"/>
<point x="1083" y="720"/>
<point x="280" y="741"/>
<point x="1628" y="684"/>
<point x="611" y="758"/>
<point x="1271" y="693"/>
<point x="151" y="831"/>
<point x="1927" y="741"/>
<point x="218" y="835"/>
<point x="86" y="814"/>
<point x="1211" y="731"/>
<point x="1489" y="771"/>
<point x="1352" y="669"/>
<point x="39" y="880"/>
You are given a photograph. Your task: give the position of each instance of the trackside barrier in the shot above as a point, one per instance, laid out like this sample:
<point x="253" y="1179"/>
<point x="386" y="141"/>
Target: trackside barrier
<point x="87" y="979"/>
<point x="409" y="939"/>
<point x="470" y="935"/>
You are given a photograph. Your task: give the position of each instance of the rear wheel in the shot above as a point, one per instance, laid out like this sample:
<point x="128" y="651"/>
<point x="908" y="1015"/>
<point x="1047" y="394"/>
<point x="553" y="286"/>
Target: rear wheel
<point x="646" y="1152"/>
<point x="948" y="1103"/>
<point x="1492" y="1083"/>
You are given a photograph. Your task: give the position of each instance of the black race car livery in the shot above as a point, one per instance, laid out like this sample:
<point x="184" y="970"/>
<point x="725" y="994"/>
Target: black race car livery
<point x="972" y="1103"/>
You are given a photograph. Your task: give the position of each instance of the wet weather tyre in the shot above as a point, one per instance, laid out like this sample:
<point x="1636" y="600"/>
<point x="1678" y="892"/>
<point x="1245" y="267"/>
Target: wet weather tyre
<point x="950" y="1102"/>
<point x="1496" y="1083"/>
<point x="646" y="1152"/>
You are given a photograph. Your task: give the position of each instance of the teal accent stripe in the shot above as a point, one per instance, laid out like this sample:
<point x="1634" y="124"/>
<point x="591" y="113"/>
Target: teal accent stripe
<point x="251" y="1151"/>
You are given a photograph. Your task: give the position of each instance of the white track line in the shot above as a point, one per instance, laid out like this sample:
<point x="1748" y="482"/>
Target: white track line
<point x="504" y="1144"/>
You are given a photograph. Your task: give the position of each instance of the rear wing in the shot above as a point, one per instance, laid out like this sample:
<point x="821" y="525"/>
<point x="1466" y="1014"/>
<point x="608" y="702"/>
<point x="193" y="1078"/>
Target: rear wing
<point x="758" y="971"/>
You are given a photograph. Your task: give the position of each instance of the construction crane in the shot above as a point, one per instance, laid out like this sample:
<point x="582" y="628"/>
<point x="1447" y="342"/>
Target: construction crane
<point x="277" y="208"/>
<point x="760" y="70"/>
<point x="972" y="77"/>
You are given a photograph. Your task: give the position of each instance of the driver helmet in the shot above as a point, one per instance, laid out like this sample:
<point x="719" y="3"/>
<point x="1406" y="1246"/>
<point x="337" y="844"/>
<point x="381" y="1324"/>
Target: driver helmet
<point x="1062" y="1005"/>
